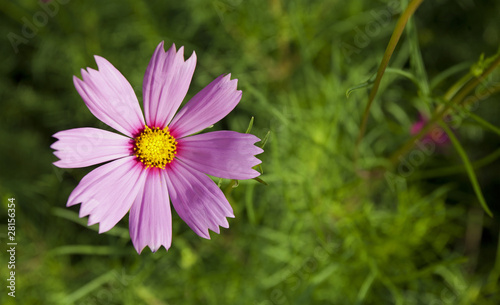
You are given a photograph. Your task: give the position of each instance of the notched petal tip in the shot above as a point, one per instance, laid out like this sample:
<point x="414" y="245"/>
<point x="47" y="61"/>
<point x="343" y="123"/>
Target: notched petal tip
<point x="257" y="151"/>
<point x="140" y="249"/>
<point x="54" y="145"/>
<point x="180" y="52"/>
<point x="84" y="72"/>
<point x="60" y="164"/>
<point x="98" y="59"/>
<point x="192" y="57"/>
<point x="205" y="235"/>
<point x="103" y="228"/>
<point x="102" y="64"/>
<point x="77" y="80"/>
<point x="159" y="50"/>
<point x="227" y="79"/>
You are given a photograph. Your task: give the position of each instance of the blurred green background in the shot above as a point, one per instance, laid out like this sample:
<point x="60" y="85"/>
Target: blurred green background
<point x="324" y="231"/>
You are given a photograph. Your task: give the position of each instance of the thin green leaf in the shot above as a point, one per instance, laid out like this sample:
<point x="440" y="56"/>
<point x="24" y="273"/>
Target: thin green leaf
<point x="368" y="83"/>
<point x="250" y="125"/>
<point x="264" y="141"/>
<point x="468" y="168"/>
<point x="404" y="73"/>
<point x="484" y="123"/>
<point x="260" y="180"/>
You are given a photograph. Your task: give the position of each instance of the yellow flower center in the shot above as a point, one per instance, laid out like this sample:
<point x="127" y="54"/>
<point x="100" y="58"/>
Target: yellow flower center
<point x="155" y="147"/>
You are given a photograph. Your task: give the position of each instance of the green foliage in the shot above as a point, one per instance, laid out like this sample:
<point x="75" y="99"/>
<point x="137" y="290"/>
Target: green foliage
<point x="330" y="226"/>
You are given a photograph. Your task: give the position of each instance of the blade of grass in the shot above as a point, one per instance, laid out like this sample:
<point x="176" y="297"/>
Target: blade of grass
<point x="89" y="287"/>
<point x="468" y="168"/>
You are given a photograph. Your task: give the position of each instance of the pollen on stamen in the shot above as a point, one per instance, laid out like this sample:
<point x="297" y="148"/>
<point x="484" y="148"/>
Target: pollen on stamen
<point x="155" y="147"/>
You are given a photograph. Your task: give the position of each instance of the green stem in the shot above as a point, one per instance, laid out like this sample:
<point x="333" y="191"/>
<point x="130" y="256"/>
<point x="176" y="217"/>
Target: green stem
<point x="396" y="35"/>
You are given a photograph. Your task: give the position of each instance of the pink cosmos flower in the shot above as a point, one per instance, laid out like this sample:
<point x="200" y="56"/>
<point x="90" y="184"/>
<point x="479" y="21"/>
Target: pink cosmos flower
<point x="157" y="159"/>
<point x="436" y="134"/>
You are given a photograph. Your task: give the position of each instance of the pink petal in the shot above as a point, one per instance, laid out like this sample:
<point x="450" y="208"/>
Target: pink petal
<point x="197" y="199"/>
<point x="207" y="107"/>
<point x="166" y="83"/>
<point x="416" y="127"/>
<point x="225" y="154"/>
<point x="109" y="97"/>
<point x="150" y="219"/>
<point x="82" y="147"/>
<point x="107" y="192"/>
